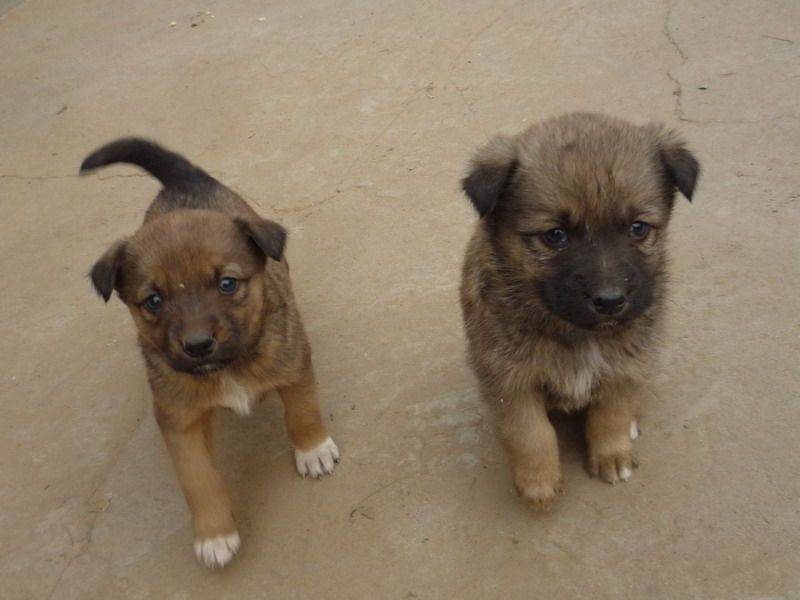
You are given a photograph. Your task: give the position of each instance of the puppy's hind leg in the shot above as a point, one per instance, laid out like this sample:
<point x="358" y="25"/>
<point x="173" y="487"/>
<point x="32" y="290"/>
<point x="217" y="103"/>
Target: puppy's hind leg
<point x="530" y="441"/>
<point x="611" y="426"/>
<point x="315" y="452"/>
<point x="216" y="538"/>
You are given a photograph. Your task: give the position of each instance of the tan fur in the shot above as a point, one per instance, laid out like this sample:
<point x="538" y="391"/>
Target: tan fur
<point x="586" y="169"/>
<point x="181" y="253"/>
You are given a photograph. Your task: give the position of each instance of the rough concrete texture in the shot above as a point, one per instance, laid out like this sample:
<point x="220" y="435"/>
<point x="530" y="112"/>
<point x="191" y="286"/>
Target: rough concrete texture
<point x="351" y="122"/>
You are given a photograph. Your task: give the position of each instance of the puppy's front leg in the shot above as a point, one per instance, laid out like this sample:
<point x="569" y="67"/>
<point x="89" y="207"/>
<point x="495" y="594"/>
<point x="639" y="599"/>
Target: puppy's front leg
<point x="611" y="427"/>
<point x="532" y="447"/>
<point x="315" y="453"/>
<point x="216" y="538"/>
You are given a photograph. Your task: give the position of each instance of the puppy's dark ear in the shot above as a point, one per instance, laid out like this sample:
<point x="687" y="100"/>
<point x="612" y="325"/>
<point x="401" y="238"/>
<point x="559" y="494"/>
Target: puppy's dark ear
<point x="106" y="272"/>
<point x="680" y="165"/>
<point x="267" y="235"/>
<point x="490" y="173"/>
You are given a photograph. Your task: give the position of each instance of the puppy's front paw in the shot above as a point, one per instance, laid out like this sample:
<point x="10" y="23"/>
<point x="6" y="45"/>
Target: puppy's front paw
<point x="318" y="461"/>
<point x="538" y="491"/>
<point x="613" y="467"/>
<point x="218" y="551"/>
<point x="611" y="457"/>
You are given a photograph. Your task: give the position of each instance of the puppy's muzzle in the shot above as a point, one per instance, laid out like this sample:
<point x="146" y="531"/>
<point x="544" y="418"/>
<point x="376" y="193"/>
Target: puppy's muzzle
<point x="198" y="345"/>
<point x="609" y="301"/>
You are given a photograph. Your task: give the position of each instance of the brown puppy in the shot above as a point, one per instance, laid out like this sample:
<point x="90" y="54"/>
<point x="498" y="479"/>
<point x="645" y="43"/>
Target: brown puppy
<point x="563" y="284"/>
<point x="208" y="288"/>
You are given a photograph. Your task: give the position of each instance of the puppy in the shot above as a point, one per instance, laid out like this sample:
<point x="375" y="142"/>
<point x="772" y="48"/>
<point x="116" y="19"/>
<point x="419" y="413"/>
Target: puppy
<point x="563" y="284"/>
<point x="208" y="287"/>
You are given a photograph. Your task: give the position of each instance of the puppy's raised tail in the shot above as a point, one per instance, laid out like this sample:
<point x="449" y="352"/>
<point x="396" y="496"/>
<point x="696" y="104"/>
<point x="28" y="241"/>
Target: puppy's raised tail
<point x="171" y="169"/>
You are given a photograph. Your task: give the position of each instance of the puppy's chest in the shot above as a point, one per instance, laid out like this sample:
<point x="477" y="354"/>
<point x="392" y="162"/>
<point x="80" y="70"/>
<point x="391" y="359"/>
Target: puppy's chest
<point x="235" y="395"/>
<point x="572" y="375"/>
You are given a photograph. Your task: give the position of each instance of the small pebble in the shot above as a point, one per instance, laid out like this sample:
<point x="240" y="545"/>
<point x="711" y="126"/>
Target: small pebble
<point x="262" y="19"/>
<point x="173" y="23"/>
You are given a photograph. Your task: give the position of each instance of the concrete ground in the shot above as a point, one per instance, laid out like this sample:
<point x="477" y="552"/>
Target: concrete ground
<point x="351" y="123"/>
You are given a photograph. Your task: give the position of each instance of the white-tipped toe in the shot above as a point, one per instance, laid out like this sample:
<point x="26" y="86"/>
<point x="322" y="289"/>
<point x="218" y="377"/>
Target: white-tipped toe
<point x="217" y="552"/>
<point x="625" y="473"/>
<point x="634" y="430"/>
<point x="318" y="461"/>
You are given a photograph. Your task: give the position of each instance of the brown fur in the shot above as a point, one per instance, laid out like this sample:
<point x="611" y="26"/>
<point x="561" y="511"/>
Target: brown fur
<point x="196" y="232"/>
<point x="592" y="176"/>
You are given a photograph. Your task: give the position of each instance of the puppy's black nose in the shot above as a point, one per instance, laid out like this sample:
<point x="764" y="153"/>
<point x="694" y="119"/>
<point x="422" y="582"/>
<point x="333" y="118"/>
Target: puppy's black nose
<point x="609" y="301"/>
<point x="198" y="345"/>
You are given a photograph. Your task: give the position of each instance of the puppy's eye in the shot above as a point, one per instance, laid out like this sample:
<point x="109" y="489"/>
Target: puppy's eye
<point x="555" y="238"/>
<point x="153" y="303"/>
<point x="228" y="285"/>
<point x="639" y="230"/>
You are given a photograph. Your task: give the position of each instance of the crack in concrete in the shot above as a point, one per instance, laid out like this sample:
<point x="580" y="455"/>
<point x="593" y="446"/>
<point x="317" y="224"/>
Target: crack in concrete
<point x="53" y="177"/>
<point x="93" y="515"/>
<point x="473" y="38"/>
<point x="460" y="55"/>
<point x="678" y="87"/>
<point x="679" y="110"/>
<point x="132" y="176"/>
<point x="37" y="177"/>
<point x="360" y="504"/>
<point x="740" y="121"/>
<point x="311" y="207"/>
<point x="778" y="39"/>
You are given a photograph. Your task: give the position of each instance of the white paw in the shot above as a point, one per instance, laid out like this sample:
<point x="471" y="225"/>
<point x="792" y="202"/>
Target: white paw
<point x="318" y="461"/>
<point x="634" y="430"/>
<point x="218" y="551"/>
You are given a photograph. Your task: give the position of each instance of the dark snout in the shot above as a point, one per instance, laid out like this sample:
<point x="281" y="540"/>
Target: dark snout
<point x="202" y="353"/>
<point x="197" y="348"/>
<point x="597" y="285"/>
<point x="198" y="344"/>
<point x="610" y="277"/>
<point x="609" y="300"/>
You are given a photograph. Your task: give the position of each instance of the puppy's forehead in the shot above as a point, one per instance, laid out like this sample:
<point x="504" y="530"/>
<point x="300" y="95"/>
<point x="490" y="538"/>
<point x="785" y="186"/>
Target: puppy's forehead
<point x="590" y="172"/>
<point x="189" y="247"/>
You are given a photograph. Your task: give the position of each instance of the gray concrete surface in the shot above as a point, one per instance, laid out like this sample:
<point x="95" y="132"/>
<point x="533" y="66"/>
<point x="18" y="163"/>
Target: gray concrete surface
<point x="351" y="123"/>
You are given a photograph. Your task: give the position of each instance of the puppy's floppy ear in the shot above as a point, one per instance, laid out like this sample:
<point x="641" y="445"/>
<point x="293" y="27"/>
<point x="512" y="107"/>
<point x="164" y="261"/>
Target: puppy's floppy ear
<point x="680" y="165"/>
<point x="267" y="235"/>
<point x="106" y="272"/>
<point x="490" y="172"/>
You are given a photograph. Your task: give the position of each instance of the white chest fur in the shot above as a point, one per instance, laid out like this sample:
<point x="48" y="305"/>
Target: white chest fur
<point x="580" y="375"/>
<point x="235" y="396"/>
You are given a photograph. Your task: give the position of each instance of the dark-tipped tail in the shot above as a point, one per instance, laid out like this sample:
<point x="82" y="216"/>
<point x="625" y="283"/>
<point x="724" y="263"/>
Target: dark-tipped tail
<point x="169" y="168"/>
